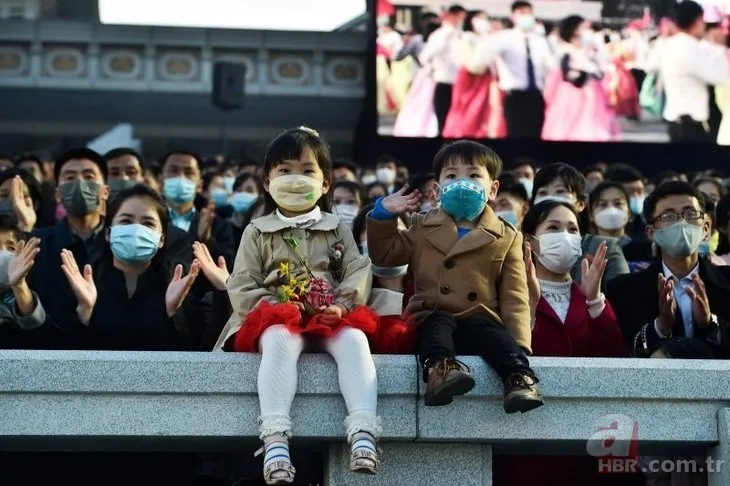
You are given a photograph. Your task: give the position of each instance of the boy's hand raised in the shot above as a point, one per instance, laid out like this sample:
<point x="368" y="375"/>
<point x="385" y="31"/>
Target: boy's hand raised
<point x="398" y="203"/>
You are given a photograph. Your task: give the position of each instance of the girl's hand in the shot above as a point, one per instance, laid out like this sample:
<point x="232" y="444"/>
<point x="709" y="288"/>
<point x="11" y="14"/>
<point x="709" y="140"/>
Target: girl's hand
<point x="592" y="273"/>
<point x="179" y="287"/>
<point x="332" y="314"/>
<point x="83" y="286"/>
<point x="398" y="203"/>
<point x="216" y="273"/>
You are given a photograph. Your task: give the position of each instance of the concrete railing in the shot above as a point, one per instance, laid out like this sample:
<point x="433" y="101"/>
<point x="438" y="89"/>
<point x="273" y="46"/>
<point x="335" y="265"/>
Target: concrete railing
<point x="207" y="401"/>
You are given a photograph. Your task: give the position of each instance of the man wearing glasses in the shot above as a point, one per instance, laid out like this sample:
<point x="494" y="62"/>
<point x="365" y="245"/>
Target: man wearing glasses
<point x="682" y="295"/>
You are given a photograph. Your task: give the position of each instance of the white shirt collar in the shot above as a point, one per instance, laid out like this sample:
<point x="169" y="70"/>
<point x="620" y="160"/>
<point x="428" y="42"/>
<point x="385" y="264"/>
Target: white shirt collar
<point x="303" y="220"/>
<point x="668" y="273"/>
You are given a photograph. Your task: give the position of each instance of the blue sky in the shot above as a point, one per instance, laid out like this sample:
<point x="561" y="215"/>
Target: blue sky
<point x="311" y="15"/>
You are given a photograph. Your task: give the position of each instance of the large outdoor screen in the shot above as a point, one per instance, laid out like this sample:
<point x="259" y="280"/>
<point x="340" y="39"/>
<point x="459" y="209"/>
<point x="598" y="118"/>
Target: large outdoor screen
<point x="560" y="70"/>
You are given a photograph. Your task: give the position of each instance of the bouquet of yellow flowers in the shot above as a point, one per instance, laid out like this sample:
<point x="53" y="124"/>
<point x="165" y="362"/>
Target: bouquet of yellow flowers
<point x="303" y="287"/>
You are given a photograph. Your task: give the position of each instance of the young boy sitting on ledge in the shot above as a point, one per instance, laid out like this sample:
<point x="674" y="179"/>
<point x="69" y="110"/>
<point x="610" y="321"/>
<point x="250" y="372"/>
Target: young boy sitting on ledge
<point x="471" y="292"/>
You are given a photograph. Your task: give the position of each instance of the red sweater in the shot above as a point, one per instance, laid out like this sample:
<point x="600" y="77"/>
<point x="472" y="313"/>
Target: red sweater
<point x="579" y="337"/>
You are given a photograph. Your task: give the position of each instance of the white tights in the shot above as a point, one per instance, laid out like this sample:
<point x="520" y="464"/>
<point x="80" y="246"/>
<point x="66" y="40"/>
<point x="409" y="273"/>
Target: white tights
<point x="277" y="381"/>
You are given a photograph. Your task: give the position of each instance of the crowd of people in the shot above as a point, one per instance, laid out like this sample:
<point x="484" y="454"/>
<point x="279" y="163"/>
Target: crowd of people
<point x="306" y="253"/>
<point x="463" y="74"/>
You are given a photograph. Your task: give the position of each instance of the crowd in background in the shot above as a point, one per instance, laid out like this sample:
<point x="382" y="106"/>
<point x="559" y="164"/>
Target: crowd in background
<point x="116" y="252"/>
<point x="466" y="74"/>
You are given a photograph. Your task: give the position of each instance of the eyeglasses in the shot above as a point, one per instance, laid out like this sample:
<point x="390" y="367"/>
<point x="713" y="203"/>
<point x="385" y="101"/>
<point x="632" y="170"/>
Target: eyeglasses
<point x="687" y="215"/>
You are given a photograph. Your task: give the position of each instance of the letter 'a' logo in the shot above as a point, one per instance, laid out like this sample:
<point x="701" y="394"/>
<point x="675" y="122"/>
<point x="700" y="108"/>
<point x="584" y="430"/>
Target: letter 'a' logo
<point x="615" y="436"/>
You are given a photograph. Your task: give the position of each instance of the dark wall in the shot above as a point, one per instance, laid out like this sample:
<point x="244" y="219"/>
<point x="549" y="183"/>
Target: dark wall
<point x="649" y="158"/>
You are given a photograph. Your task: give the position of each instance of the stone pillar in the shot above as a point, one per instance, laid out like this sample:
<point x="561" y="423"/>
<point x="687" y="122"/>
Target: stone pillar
<point x="421" y="463"/>
<point x="718" y="473"/>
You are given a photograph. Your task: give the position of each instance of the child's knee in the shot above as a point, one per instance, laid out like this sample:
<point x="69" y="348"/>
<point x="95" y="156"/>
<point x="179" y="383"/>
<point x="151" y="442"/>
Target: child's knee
<point x="278" y="340"/>
<point x="353" y="339"/>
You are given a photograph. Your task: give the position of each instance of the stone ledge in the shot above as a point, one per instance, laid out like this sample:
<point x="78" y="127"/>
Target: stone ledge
<point x="674" y="402"/>
<point x="68" y="398"/>
<point x="64" y="395"/>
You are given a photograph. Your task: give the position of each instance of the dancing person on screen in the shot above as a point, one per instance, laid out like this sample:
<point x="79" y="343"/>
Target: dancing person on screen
<point x="576" y="103"/>
<point x="299" y="280"/>
<point x="476" y="103"/>
<point x="417" y="117"/>
<point x="442" y="54"/>
<point x="689" y="65"/>
<point x="523" y="60"/>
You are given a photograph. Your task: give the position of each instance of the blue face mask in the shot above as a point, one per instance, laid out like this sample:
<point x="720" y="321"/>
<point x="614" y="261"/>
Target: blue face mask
<point x="680" y="240"/>
<point x="636" y="204"/>
<point x="509" y="216"/>
<point x="463" y="199"/>
<point x="228" y="183"/>
<point x="704" y="248"/>
<point x="134" y="243"/>
<point x="179" y="190"/>
<point x="242" y="201"/>
<point x="527" y="184"/>
<point x="219" y="196"/>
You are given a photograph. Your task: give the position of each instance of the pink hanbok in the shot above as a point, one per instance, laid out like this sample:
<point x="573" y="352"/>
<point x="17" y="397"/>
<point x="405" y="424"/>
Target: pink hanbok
<point x="577" y="107"/>
<point x="623" y="94"/>
<point x="476" y="100"/>
<point x="416" y="117"/>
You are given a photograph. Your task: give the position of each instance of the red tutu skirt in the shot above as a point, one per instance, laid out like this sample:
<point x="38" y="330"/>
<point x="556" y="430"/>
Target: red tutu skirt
<point x="385" y="334"/>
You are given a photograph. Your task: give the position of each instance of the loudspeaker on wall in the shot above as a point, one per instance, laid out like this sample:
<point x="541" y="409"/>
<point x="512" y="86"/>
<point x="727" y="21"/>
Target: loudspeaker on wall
<point x="229" y="84"/>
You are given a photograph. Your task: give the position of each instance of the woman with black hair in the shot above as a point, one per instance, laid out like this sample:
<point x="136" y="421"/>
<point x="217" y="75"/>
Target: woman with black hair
<point x="570" y="320"/>
<point x="562" y="182"/>
<point x="611" y="216"/>
<point x="576" y="103"/>
<point x="248" y="190"/>
<point x="132" y="299"/>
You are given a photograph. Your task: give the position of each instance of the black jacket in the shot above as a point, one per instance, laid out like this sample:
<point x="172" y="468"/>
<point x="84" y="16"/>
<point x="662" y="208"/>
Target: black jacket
<point x="136" y="323"/>
<point x="635" y="296"/>
<point x="53" y="290"/>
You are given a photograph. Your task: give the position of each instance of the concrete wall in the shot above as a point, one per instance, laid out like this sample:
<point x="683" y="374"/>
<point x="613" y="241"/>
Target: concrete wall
<point x="200" y="401"/>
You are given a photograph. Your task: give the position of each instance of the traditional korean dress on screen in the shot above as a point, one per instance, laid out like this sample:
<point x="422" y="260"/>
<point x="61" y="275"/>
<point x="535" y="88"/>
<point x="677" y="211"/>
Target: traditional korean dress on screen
<point x="476" y="103"/>
<point x="622" y="90"/>
<point x="576" y="103"/>
<point x="416" y="117"/>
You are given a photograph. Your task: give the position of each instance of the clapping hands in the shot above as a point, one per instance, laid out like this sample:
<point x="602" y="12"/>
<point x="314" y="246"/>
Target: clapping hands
<point x="23" y="261"/>
<point x="216" y="272"/>
<point x="82" y="285"/>
<point x="592" y="272"/>
<point x="179" y="287"/>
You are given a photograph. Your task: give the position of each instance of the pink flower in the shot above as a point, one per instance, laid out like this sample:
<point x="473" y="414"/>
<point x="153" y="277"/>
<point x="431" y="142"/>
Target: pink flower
<point x="320" y="293"/>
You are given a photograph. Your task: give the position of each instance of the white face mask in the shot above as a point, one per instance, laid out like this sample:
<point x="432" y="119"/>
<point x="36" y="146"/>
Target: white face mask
<point x="555" y="197"/>
<point x="480" y="25"/>
<point x="559" y="251"/>
<point x="525" y="22"/>
<point x="5" y="258"/>
<point x="369" y="179"/>
<point x="346" y="212"/>
<point x="385" y="175"/>
<point x="611" y="218"/>
<point x="295" y="192"/>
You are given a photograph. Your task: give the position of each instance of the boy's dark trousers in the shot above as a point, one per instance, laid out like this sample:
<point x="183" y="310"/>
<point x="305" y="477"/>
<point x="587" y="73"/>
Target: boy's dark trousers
<point x="442" y="335"/>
